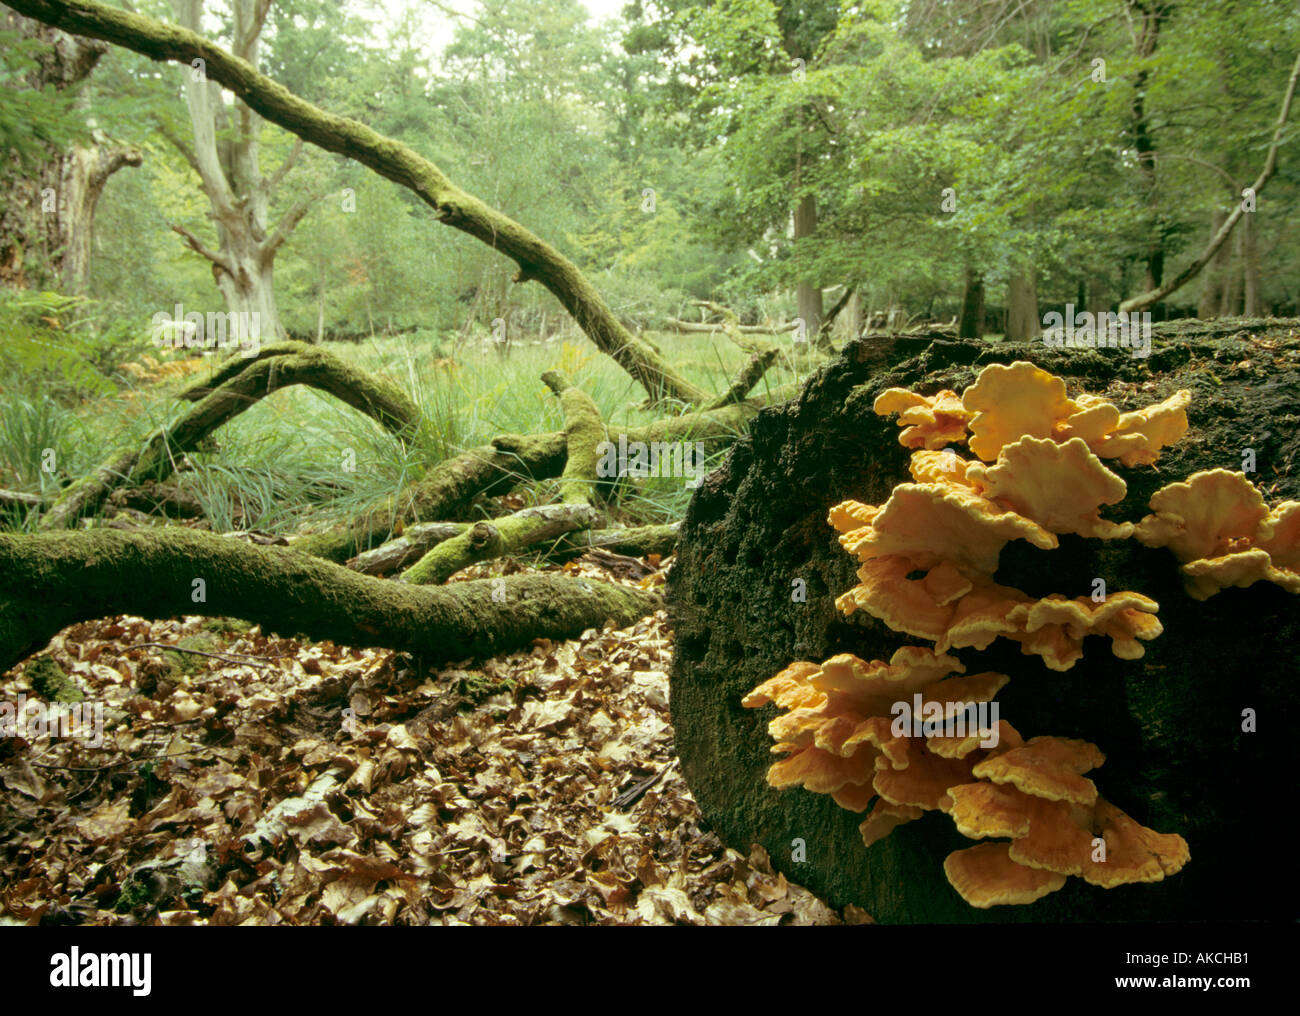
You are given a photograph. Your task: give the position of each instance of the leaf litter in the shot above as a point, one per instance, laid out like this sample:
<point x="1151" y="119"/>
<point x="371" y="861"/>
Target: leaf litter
<point x="252" y="778"/>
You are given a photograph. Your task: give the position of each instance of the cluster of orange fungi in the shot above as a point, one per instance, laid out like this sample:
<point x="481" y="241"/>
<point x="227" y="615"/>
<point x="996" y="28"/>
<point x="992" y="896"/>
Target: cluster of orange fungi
<point x="928" y="557"/>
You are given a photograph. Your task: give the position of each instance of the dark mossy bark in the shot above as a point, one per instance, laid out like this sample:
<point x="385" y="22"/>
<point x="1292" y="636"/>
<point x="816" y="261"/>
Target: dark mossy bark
<point x="1169" y="723"/>
<point x="51" y="580"/>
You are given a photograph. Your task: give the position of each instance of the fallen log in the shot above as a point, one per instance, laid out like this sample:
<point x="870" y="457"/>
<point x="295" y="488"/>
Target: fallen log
<point x="413" y="544"/>
<point x="445" y="492"/>
<point x="419" y="539"/>
<point x="297" y="363"/>
<point x="487" y="540"/>
<point x="637" y="541"/>
<point x="17" y="500"/>
<point x="584" y="431"/>
<point x="713" y="328"/>
<point x="1178" y="758"/>
<point x="153" y="498"/>
<point x="51" y="580"/>
<point x="744" y="381"/>
<point x="448" y="488"/>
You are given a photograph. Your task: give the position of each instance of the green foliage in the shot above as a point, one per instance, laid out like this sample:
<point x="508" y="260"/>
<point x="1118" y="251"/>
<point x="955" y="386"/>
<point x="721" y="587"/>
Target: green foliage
<point x="31" y="426"/>
<point x="32" y="121"/>
<point x="50" y="345"/>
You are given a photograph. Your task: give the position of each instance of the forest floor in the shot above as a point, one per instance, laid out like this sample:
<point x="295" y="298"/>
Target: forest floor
<point x="259" y="779"/>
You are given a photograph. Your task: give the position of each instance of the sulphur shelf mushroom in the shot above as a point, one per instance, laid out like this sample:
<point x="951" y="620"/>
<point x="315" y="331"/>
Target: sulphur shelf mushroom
<point x="1217" y="525"/>
<point x="929" y="556"/>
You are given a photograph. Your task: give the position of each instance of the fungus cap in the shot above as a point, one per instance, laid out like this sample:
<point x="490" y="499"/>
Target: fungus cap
<point x="884" y="818"/>
<point x="933" y="522"/>
<point x="1140" y="434"/>
<point x="1211" y="513"/>
<point x="1047" y="767"/>
<point x="1011" y="402"/>
<point x="928" y="421"/>
<point x="924" y="777"/>
<point x="986" y="876"/>
<point x="1059" y="486"/>
<point x="1134" y="853"/>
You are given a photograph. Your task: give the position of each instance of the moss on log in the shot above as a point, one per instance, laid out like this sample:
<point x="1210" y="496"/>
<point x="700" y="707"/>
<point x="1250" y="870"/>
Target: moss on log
<point x="745" y="379"/>
<point x="51" y="580"/>
<point x="413" y="544"/>
<point x="297" y="363"/>
<point x="584" y="430"/>
<point x="242" y="384"/>
<point x="637" y="541"/>
<point x="508" y="535"/>
<point x="447" y="490"/>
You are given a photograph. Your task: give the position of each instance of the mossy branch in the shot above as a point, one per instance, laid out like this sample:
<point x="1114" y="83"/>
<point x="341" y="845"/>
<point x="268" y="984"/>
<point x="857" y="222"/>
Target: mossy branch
<point x="51" y="580"/>
<point x="447" y="489"/>
<point x="485" y="541"/>
<point x="242" y="385"/>
<point x="584" y="430"/>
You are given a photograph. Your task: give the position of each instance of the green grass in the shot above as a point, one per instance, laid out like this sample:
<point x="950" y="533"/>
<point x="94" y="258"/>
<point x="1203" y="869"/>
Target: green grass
<point x="303" y="459"/>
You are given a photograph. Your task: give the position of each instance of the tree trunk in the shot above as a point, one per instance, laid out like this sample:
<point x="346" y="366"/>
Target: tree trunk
<point x="227" y="161"/>
<point x="47" y="216"/>
<point x="1170" y="723"/>
<point x="853" y="315"/>
<point x="971" y="325"/>
<point x="1097" y="302"/>
<point x="1147" y="17"/>
<point x="1213" y="282"/>
<point x="808" y="296"/>
<point x="1022" y="308"/>
<point x="1250" y="266"/>
<point x="1231" y="303"/>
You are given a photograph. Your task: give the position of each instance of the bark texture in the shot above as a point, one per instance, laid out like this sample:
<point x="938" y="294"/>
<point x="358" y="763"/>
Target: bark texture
<point x="47" y="215"/>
